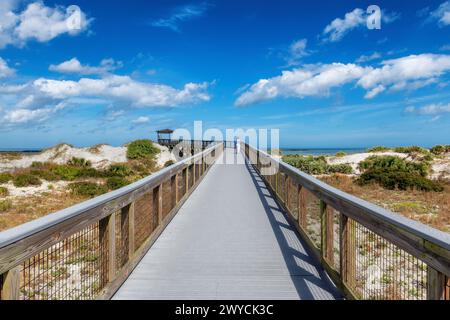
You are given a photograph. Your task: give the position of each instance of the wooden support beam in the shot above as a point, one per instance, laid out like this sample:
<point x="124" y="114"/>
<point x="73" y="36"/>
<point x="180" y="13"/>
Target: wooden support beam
<point x="107" y="238"/>
<point x="302" y="207"/>
<point x="11" y="284"/>
<point x="157" y="201"/>
<point x="177" y="196"/>
<point x="347" y="251"/>
<point x="327" y="236"/>
<point x="131" y="230"/>
<point x="436" y="285"/>
<point x="187" y="178"/>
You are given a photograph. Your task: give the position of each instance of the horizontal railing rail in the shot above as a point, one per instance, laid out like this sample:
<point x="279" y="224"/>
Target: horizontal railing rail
<point x="87" y="251"/>
<point x="369" y="252"/>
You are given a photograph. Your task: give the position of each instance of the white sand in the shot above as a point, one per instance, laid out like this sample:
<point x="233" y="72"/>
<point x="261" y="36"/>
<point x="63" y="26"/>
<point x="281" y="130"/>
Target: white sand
<point x="14" y="192"/>
<point x="100" y="156"/>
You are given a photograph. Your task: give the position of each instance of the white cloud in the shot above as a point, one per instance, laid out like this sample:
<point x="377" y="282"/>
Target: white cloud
<point x="297" y="50"/>
<point x="314" y="80"/>
<point x="5" y="70"/>
<point x="23" y="116"/>
<point x="74" y="66"/>
<point x="42" y="98"/>
<point x="180" y="15"/>
<point x="442" y="14"/>
<point x="357" y="18"/>
<point x="431" y="109"/>
<point x="410" y="72"/>
<point x="123" y="89"/>
<point x="367" y="58"/>
<point x="141" y="120"/>
<point x="38" y="22"/>
<point x="406" y="73"/>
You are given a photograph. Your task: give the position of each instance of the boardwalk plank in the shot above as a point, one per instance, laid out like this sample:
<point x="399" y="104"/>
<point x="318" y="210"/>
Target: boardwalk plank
<point x="230" y="240"/>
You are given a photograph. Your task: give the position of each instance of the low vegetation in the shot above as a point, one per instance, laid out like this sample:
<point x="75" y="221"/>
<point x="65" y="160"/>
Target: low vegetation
<point x="26" y="180"/>
<point x="5" y="177"/>
<point x="141" y="149"/>
<point x="393" y="172"/>
<point x="115" y="183"/>
<point x="340" y="154"/>
<point x="379" y="149"/>
<point x="440" y="149"/>
<point x="316" y="165"/>
<point x="4" y="192"/>
<point x="87" y="189"/>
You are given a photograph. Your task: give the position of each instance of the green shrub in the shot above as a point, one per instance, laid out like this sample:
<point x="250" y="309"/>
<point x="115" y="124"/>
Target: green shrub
<point x="141" y="149"/>
<point x="66" y="172"/>
<point x="45" y="174"/>
<point x="79" y="162"/>
<point x="114" y="183"/>
<point x="119" y="170"/>
<point x="5" y="205"/>
<point x="440" y="149"/>
<point x="340" y="154"/>
<point x="411" y="149"/>
<point x="168" y="163"/>
<point x="344" y="168"/>
<point x="87" y="189"/>
<point x="394" y="163"/>
<point x="378" y="149"/>
<point x="3" y="192"/>
<point x="392" y="179"/>
<point x="90" y="173"/>
<point x="5" y="177"/>
<point x="26" y="180"/>
<point x="316" y="165"/>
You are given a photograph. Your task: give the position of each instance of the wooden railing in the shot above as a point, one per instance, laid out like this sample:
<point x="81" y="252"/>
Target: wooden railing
<point x="369" y="252"/>
<point x="87" y="251"/>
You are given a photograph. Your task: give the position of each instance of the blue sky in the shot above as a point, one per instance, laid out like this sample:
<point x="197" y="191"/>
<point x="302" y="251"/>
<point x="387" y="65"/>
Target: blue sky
<point x="310" y="68"/>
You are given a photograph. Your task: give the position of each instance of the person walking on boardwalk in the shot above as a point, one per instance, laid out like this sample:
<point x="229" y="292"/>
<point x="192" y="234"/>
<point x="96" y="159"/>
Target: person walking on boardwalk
<point x="238" y="145"/>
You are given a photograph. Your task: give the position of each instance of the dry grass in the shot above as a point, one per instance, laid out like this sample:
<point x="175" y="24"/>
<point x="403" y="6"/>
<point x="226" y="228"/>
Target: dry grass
<point x="431" y="208"/>
<point x="25" y="209"/>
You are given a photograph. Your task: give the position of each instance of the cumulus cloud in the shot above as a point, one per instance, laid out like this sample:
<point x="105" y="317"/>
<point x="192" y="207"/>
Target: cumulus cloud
<point x="39" y="99"/>
<point x="410" y="72"/>
<point x="5" y="70"/>
<point x="406" y="73"/>
<point x="311" y="80"/>
<point x="442" y="14"/>
<point x="357" y="18"/>
<point x="74" y="66"/>
<point x="431" y="109"/>
<point x="38" y="22"/>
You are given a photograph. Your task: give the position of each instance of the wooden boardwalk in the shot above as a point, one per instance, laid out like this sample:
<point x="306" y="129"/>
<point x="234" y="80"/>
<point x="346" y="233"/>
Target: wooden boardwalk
<point x="230" y="240"/>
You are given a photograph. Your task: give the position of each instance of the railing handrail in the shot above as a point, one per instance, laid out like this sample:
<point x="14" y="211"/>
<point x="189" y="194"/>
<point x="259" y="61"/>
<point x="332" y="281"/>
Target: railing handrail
<point x="432" y="235"/>
<point x="28" y="229"/>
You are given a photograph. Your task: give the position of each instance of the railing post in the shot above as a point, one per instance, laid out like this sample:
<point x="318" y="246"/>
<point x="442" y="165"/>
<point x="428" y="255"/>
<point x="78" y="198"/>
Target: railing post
<point x="157" y="200"/>
<point x="193" y="173"/>
<point x="187" y="178"/>
<point x="175" y="182"/>
<point x="11" y="284"/>
<point x="301" y="206"/>
<point x="436" y="285"/>
<point x="131" y="230"/>
<point x="326" y="219"/>
<point x="107" y="237"/>
<point x="286" y="190"/>
<point x="347" y="251"/>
